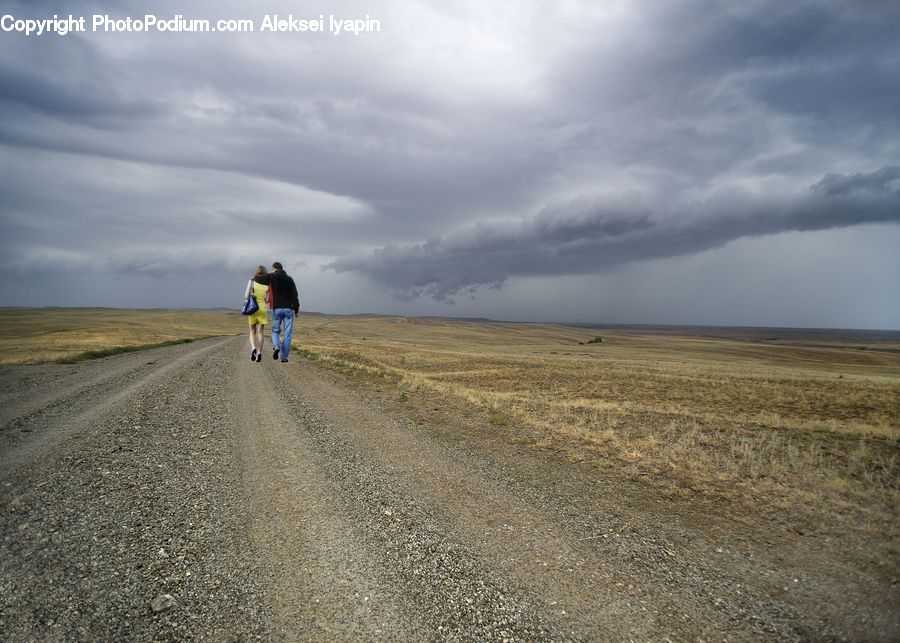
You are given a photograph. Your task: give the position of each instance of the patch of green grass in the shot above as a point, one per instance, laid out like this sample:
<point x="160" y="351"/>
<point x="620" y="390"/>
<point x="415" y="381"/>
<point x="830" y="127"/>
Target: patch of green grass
<point x="116" y="350"/>
<point x="307" y="354"/>
<point x="498" y="418"/>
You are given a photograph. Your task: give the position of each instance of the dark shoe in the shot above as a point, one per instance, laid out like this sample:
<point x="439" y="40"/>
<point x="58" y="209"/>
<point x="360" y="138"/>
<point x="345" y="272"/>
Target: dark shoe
<point x="253" y="355"/>
<point x="284" y="360"/>
<point x="275" y="353"/>
<point x="259" y="357"/>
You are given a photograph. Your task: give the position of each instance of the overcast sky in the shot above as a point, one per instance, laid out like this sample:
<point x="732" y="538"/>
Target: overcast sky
<point x="685" y="162"/>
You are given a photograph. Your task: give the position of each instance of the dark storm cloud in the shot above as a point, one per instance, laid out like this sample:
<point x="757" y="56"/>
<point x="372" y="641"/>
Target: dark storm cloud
<point x="884" y="181"/>
<point x="419" y="148"/>
<point x="583" y="237"/>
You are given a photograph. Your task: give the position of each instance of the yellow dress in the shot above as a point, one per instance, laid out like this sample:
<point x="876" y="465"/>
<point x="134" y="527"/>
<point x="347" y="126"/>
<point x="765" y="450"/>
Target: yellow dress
<point x="261" y="316"/>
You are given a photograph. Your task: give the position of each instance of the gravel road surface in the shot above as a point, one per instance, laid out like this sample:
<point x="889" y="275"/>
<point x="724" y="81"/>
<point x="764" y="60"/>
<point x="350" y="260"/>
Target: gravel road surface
<point x="187" y="493"/>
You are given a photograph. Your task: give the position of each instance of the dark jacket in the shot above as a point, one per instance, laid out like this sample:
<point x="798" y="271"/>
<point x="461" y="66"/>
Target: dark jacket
<point x="283" y="291"/>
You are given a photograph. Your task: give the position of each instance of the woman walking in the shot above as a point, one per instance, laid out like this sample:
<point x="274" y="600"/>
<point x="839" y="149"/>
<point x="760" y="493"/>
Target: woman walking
<point x="259" y="286"/>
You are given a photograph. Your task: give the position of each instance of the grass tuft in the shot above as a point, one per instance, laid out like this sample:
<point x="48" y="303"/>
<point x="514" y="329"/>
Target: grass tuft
<point x="498" y="418"/>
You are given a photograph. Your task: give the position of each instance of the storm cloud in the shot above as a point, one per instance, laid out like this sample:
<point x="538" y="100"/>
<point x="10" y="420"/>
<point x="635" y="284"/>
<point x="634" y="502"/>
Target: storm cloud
<point x="478" y="149"/>
<point x="585" y="237"/>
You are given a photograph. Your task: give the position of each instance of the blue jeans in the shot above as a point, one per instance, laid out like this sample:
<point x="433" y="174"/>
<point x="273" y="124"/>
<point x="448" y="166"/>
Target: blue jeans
<point x="285" y="316"/>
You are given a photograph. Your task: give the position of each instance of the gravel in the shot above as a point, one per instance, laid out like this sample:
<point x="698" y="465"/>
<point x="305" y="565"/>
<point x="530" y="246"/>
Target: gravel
<point x="139" y="500"/>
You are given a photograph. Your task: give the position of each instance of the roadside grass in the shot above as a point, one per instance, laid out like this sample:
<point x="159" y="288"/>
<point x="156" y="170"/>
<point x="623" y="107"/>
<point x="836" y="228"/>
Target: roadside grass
<point x="729" y="416"/>
<point x="116" y="350"/>
<point x="63" y="335"/>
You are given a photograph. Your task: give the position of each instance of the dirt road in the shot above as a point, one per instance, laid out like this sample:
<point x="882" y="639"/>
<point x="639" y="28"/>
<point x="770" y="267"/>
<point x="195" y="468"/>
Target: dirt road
<point x="186" y="492"/>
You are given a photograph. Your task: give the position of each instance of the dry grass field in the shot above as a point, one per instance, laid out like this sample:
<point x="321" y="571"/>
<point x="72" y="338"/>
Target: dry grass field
<point x="39" y="335"/>
<point x="804" y="417"/>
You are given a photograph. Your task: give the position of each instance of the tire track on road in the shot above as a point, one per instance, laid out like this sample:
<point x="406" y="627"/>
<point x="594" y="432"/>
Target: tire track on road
<point x="575" y="590"/>
<point x="456" y="594"/>
<point x="26" y="389"/>
<point x="52" y="417"/>
<point x="326" y="584"/>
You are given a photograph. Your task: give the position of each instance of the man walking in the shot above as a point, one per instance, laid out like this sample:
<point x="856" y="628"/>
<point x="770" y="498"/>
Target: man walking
<point x="285" y="306"/>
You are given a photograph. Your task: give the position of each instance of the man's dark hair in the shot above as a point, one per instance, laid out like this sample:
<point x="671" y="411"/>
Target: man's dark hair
<point x="277" y="266"/>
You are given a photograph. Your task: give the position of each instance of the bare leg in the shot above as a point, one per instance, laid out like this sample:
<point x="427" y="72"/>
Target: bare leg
<point x="260" y="337"/>
<point x="253" y="330"/>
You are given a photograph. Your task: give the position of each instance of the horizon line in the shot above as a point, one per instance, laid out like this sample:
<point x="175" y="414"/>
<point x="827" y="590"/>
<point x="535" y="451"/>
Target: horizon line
<point x="577" y="324"/>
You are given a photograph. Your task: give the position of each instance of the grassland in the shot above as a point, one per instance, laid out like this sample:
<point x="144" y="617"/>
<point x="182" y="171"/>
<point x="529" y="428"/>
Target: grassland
<point x="41" y="335"/>
<point x="799" y="418"/>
